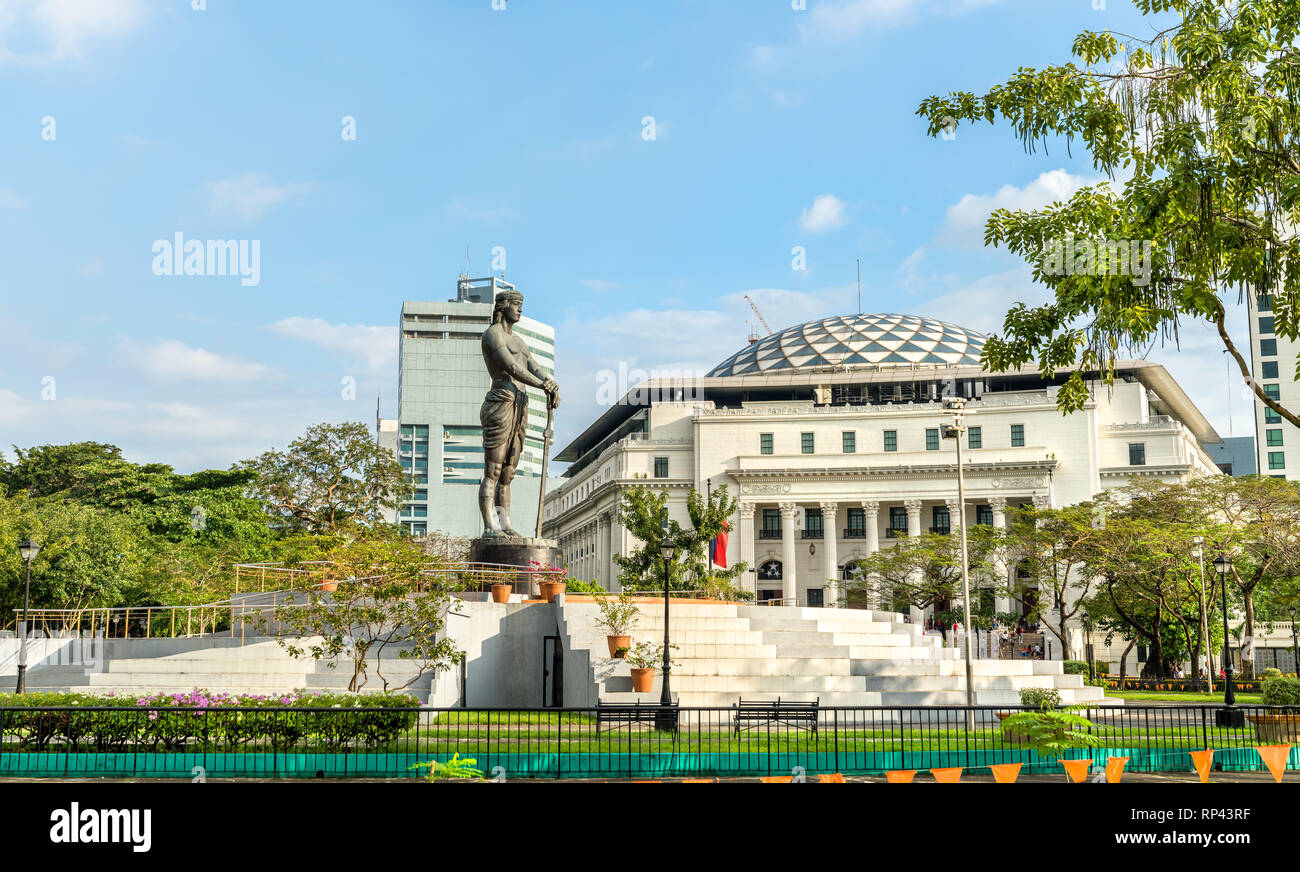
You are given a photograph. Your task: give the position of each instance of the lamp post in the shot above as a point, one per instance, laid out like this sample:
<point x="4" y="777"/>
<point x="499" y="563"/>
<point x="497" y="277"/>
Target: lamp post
<point x="1295" y="642"/>
<point x="956" y="406"/>
<point x="1199" y="542"/>
<point x="667" y="550"/>
<point x="28" y="550"/>
<point x="1223" y="565"/>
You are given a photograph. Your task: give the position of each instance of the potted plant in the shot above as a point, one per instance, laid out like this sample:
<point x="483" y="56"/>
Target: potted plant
<point x="328" y="582"/>
<point x="1279" y="727"/>
<point x="1041" y="698"/>
<point x="644" y="658"/>
<point x="501" y="591"/>
<point x="617" y="617"/>
<point x="1050" y="731"/>
<point x="550" y="580"/>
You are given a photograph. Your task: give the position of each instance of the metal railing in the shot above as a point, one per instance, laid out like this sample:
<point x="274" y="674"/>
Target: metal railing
<point x="303" y="741"/>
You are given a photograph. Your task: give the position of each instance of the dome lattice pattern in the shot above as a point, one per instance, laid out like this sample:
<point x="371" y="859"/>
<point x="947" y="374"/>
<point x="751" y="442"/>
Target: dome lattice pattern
<point x="858" y="339"/>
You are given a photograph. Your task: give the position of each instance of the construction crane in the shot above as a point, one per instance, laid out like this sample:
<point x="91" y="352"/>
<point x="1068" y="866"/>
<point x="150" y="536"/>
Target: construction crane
<point x="753" y="334"/>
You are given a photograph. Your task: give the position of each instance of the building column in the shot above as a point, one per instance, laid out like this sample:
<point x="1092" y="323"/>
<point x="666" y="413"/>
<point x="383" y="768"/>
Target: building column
<point x="602" y="551"/>
<point x="871" y="509"/>
<point x="832" y="533"/>
<point x="913" y="517"/>
<point x="745" y="536"/>
<point x="789" y="588"/>
<point x="914" y="529"/>
<point x="999" y="506"/>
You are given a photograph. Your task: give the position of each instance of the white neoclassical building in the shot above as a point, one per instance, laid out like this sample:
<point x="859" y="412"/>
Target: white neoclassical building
<point x="829" y="434"/>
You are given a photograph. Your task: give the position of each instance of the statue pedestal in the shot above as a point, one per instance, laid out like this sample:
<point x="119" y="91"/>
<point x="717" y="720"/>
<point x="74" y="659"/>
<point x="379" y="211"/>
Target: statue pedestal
<point x="519" y="552"/>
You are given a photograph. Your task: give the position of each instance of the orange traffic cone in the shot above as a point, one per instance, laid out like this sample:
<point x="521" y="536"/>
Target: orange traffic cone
<point x="947" y="776"/>
<point x="1115" y="769"/>
<point x="1077" y="770"/>
<point x="1275" y="757"/>
<point x="1006" y="773"/>
<point x="1203" y="760"/>
<point x="900" y="776"/>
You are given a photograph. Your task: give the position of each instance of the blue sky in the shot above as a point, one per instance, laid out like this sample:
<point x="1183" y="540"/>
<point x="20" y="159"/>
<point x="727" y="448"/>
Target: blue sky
<point x="476" y="128"/>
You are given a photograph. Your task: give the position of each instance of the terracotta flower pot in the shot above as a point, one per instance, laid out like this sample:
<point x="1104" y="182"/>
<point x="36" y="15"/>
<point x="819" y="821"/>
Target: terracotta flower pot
<point x="501" y="593"/>
<point x="616" y="642"/>
<point x="1276" y="729"/>
<point x="327" y="585"/>
<point x="550" y="588"/>
<point x="643" y="680"/>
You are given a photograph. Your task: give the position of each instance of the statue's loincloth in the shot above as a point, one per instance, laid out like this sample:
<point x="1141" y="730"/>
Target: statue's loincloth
<point x="504" y="414"/>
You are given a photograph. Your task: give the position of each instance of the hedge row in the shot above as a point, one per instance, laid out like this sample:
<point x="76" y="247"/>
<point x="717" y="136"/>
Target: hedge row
<point x="202" y="720"/>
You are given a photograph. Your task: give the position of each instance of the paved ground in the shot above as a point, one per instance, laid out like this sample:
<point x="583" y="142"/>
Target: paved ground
<point x="921" y="778"/>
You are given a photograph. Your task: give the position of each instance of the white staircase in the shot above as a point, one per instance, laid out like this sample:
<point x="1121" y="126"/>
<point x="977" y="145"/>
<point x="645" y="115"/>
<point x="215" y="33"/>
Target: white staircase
<point x="841" y="657"/>
<point x="261" y="667"/>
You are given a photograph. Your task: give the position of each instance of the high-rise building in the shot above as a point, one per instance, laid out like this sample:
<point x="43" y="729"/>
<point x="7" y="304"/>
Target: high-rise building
<point x="1273" y="360"/>
<point x="1235" y="455"/>
<point x="441" y="384"/>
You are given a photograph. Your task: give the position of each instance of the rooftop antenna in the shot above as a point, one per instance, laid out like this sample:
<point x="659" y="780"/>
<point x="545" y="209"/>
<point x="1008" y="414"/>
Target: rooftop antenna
<point x="859" y="286"/>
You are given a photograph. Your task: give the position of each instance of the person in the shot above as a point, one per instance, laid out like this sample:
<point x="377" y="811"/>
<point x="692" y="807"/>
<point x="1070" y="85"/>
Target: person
<point x="504" y="413"/>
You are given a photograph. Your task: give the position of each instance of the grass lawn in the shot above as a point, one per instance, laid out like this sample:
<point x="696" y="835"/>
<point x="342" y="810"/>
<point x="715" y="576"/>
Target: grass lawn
<point x="1188" y="696"/>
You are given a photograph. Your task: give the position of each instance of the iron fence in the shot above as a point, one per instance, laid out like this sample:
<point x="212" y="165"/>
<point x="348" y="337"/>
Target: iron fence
<point x="373" y="742"/>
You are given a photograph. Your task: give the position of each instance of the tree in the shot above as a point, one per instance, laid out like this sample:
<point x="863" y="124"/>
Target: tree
<point x="1205" y="115"/>
<point x="1051" y="547"/>
<point x="382" y="599"/>
<point x="1259" y="527"/>
<point x="921" y="571"/>
<point x="643" y="512"/>
<point x="333" y="476"/>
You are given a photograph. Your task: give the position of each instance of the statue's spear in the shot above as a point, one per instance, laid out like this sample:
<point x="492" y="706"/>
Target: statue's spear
<point x="546" y="455"/>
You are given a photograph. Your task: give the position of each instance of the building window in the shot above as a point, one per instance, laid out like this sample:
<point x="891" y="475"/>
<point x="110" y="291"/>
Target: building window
<point x="1283" y="477"/>
<point x="1277" y="460"/>
<point x="1269" y="369"/>
<point x="849" y="439"/>
<point x="974" y="437"/>
<point x="942" y="523"/>
<point x="1265" y="302"/>
<point x="812" y="524"/>
<point x="891" y="440"/>
<point x="857" y="528"/>
<point x="770" y="571"/>
<point x="1273" y="392"/>
<point x="1266" y="324"/>
<point x="1017" y="435"/>
<point x="661" y="467"/>
<point x="771" y="524"/>
<point x="898" y="520"/>
<point x="764" y="443"/>
<point x="932" y="439"/>
<point x="806" y="443"/>
<point x="1137" y="454"/>
<point x="984" y="515"/>
<point x="1274" y="438"/>
<point x="1268" y="347"/>
<point x="1271" y="417"/>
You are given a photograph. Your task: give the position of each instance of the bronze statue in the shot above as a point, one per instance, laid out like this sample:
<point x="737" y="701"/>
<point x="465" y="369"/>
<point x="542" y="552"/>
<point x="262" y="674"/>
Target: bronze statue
<point x="504" y="413"/>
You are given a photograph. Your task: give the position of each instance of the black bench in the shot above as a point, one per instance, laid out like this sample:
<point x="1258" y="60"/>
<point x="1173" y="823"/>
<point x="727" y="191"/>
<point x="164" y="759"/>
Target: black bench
<point x="801" y="715"/>
<point x="623" y="715"/>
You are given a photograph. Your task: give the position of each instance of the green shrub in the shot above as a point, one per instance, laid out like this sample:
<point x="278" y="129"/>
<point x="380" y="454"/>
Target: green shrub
<point x="1099" y="668"/>
<point x="173" y="722"/>
<point x="1272" y="672"/>
<point x="573" y="585"/>
<point x="1042" y="698"/>
<point x="1281" y="690"/>
<point x="1075" y="667"/>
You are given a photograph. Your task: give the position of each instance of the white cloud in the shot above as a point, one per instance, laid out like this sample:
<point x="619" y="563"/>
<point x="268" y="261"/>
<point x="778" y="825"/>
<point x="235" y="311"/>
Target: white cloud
<point x="377" y="346"/>
<point x="460" y="209"/>
<point x="599" y="284"/>
<point x="964" y="224"/>
<point x="825" y="213"/>
<point x="249" y="197"/>
<point x="9" y="199"/>
<point x="849" y="19"/>
<point x="172" y="360"/>
<point x="982" y="304"/>
<point x="45" y="31"/>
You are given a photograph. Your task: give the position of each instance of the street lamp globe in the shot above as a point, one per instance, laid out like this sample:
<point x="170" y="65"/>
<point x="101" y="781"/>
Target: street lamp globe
<point x="28" y="549"/>
<point x="666" y="545"/>
<point x="1222" y="564"/>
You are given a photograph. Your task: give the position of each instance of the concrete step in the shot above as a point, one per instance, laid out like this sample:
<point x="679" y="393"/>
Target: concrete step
<point x="777" y="666"/>
<point x="205" y="680"/>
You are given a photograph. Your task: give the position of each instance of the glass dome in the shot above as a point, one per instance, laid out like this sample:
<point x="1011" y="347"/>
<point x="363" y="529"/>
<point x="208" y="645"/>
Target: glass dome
<point x="845" y="340"/>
